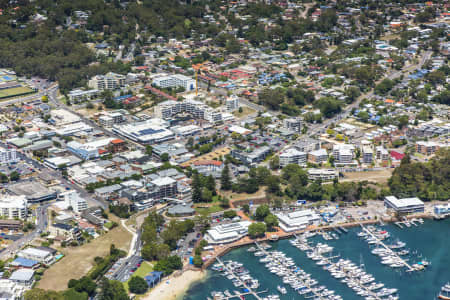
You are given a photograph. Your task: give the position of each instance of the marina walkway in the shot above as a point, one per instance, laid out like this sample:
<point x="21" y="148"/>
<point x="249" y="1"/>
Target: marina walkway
<point x="250" y="291"/>
<point x="318" y="296"/>
<point x="379" y="242"/>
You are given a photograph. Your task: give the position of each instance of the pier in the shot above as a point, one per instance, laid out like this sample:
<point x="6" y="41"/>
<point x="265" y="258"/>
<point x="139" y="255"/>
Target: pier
<point x="250" y="291"/>
<point x="316" y="294"/>
<point x="379" y="242"/>
<point x="343" y="229"/>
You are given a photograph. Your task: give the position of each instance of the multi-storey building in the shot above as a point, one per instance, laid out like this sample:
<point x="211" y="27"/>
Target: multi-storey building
<point x="343" y="153"/>
<point x="293" y="124"/>
<point x="292" y="156"/>
<point x="367" y="154"/>
<point x="197" y="109"/>
<point x="176" y="80"/>
<point x="382" y="154"/>
<point x="427" y="148"/>
<point x="13" y="207"/>
<point x="8" y="156"/>
<point x="109" y="81"/>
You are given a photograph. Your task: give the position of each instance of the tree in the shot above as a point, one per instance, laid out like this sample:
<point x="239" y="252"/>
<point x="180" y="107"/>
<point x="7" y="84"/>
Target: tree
<point x="198" y="262"/>
<point x="225" y="180"/>
<point x="164" y="157"/>
<point x="229" y="214"/>
<point x="112" y="290"/>
<point x="138" y="285"/>
<point x="196" y="188"/>
<point x="271" y="221"/>
<point x="272" y="98"/>
<point x="257" y="229"/>
<point x="14" y="176"/>
<point x="149" y="150"/>
<point x="402" y="121"/>
<point x="246" y="208"/>
<point x="261" y="212"/>
<point x="40" y="294"/>
<point x="275" y="163"/>
<point x="72" y="294"/>
<point x="224" y="202"/>
<point x="328" y="106"/>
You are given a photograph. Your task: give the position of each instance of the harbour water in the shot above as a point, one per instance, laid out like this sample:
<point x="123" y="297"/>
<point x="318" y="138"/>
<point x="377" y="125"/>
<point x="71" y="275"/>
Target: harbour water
<point x="428" y="241"/>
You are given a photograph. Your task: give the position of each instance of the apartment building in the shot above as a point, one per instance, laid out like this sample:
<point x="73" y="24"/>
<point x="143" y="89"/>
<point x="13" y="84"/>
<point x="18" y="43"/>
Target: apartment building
<point x="73" y="199"/>
<point x="196" y="109"/>
<point x="343" y="153"/>
<point x="176" y="80"/>
<point x="367" y="154"/>
<point x="76" y="96"/>
<point x="292" y="156"/>
<point x="381" y="153"/>
<point x="318" y="156"/>
<point x="427" y="148"/>
<point x="232" y="103"/>
<point x="13" y="207"/>
<point x="293" y="124"/>
<point x="8" y="156"/>
<point x="109" y="81"/>
<point x="322" y="174"/>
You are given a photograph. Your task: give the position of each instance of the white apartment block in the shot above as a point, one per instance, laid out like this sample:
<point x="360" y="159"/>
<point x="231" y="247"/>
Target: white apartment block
<point x="322" y="174"/>
<point x="73" y="199"/>
<point x="80" y="95"/>
<point x="344" y="153"/>
<point x="293" y="124"/>
<point x="292" y="156"/>
<point x="197" y="109"/>
<point x="8" y="156"/>
<point x="232" y="103"/>
<point x="176" y="80"/>
<point x="109" y="81"/>
<point x="382" y="154"/>
<point x="12" y="207"/>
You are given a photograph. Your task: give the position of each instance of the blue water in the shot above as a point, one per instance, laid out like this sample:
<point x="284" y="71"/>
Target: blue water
<point x="430" y="240"/>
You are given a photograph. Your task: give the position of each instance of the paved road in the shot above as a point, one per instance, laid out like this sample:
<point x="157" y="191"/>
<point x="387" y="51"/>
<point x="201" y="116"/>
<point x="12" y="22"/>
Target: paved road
<point x="41" y="226"/>
<point x="50" y="89"/>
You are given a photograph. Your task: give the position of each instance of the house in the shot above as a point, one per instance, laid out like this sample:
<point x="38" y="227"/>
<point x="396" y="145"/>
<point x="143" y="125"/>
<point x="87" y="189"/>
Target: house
<point x="42" y="256"/>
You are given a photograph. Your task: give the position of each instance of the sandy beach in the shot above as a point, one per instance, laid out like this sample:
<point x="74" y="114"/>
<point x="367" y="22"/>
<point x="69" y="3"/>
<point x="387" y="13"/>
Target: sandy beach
<point x="174" y="287"/>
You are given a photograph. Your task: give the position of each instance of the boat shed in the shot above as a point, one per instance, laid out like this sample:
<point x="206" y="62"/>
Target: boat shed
<point x="405" y="205"/>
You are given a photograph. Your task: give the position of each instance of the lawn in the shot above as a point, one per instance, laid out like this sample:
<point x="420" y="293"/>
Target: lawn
<point x="208" y="209"/>
<point x="142" y="271"/>
<point x="13" y="92"/>
<point x="79" y="260"/>
<point x="245" y="112"/>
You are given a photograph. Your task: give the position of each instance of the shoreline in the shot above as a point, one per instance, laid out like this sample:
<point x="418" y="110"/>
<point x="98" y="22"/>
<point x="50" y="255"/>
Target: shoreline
<point x="174" y="287"/>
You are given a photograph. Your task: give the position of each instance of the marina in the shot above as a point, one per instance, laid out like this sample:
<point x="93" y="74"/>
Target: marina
<point x="428" y="239"/>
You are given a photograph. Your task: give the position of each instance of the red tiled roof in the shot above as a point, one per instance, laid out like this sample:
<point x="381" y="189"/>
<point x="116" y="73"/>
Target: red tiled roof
<point x="207" y="162"/>
<point x="397" y="155"/>
<point x="117" y="141"/>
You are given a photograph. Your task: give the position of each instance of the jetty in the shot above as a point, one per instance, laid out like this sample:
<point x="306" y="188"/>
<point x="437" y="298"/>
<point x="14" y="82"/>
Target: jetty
<point x="379" y="242"/>
<point x="250" y="291"/>
<point x="343" y="229"/>
<point x="316" y="294"/>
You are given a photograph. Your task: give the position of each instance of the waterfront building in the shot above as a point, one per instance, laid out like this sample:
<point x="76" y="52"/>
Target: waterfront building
<point x="405" y="205"/>
<point x="442" y="209"/>
<point x="297" y="220"/>
<point x="227" y="233"/>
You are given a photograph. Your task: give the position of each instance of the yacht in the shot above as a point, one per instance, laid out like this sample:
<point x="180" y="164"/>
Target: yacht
<point x="445" y="292"/>
<point x="282" y="289"/>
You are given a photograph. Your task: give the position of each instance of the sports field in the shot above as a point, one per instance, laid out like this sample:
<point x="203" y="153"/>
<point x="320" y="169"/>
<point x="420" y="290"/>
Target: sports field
<point x="14" y="92"/>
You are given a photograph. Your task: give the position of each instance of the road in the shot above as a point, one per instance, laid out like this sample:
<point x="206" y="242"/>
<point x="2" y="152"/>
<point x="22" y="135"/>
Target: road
<point x="50" y="89"/>
<point x="41" y="226"/>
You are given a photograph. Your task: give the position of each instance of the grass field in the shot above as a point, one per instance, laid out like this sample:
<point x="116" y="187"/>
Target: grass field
<point x="13" y="92"/>
<point x="381" y="176"/>
<point x="79" y="260"/>
<point x="245" y="112"/>
<point x="142" y="271"/>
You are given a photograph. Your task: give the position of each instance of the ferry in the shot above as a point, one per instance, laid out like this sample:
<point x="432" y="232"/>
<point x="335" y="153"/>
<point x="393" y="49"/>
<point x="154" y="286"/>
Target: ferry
<point x="445" y="292"/>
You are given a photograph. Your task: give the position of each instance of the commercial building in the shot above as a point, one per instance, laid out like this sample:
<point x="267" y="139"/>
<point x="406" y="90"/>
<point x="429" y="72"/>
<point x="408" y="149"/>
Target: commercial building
<point x="292" y="156"/>
<point x="307" y="145"/>
<point x="11" y="224"/>
<point x="42" y="256"/>
<point x="227" y="233"/>
<point x="176" y="80"/>
<point x="13" y="207"/>
<point x="111" y="118"/>
<point x="322" y="174"/>
<point x="253" y="157"/>
<point x="32" y="190"/>
<point x="150" y="131"/>
<point x="297" y="220"/>
<point x="8" y="156"/>
<point x="293" y="124"/>
<point x="405" y="205"/>
<point x="80" y="95"/>
<point x="442" y="209"/>
<point x="186" y="131"/>
<point x="88" y="150"/>
<point x="109" y="81"/>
